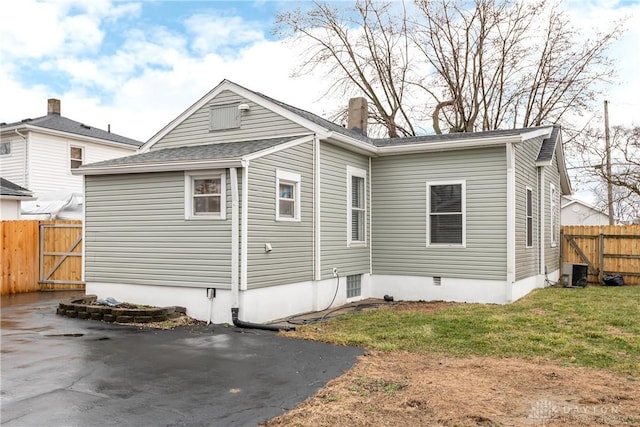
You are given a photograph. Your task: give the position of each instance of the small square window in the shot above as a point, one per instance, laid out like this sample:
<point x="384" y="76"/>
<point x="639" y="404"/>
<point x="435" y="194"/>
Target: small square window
<point x="5" y="148"/>
<point x="205" y="195"/>
<point x="76" y="157"/>
<point x="287" y="196"/>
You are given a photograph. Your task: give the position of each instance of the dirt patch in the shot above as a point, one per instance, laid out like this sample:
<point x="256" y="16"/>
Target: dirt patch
<point x="169" y="323"/>
<point x="408" y="389"/>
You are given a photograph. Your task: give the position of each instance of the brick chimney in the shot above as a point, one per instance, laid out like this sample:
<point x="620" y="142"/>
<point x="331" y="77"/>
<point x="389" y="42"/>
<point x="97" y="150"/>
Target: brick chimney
<point x="53" y="106"/>
<point x="358" y="115"/>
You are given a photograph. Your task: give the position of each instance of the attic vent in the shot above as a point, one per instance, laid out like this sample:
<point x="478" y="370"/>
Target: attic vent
<point x="85" y="126"/>
<point x="437" y="281"/>
<point x="223" y="117"/>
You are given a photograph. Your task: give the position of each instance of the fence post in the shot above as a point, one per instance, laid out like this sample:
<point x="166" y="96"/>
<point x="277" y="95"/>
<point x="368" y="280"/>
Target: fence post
<point x="600" y="258"/>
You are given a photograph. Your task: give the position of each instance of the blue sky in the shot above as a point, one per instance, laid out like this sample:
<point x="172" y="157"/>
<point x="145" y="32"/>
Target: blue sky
<point x="137" y="65"/>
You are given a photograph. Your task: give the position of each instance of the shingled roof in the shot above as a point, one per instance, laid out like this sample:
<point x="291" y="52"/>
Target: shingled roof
<point x="8" y="188"/>
<point x="63" y="124"/>
<point x="230" y="150"/>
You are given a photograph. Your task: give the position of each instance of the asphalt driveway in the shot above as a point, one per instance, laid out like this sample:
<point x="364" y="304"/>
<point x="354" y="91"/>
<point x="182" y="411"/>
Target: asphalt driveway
<point x="57" y="371"/>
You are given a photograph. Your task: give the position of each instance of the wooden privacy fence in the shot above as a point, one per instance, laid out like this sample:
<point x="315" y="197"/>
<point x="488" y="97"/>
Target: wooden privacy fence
<point x="39" y="255"/>
<point x="607" y="249"/>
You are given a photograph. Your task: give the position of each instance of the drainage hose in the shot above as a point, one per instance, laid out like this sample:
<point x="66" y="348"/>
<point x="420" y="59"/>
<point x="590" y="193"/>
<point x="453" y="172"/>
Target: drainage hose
<point x="249" y="325"/>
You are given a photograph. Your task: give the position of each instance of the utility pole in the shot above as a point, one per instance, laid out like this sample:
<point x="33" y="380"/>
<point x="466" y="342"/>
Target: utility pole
<point x="607" y="147"/>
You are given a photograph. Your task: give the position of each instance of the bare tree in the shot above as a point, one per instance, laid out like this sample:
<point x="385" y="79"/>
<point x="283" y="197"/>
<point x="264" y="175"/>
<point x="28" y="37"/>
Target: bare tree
<point x="365" y="50"/>
<point x="625" y="168"/>
<point x="480" y="65"/>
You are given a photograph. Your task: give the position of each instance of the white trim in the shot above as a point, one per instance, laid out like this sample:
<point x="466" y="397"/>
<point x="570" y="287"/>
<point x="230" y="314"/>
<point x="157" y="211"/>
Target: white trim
<point x="360" y="173"/>
<point x="534" y="133"/>
<point x="541" y="222"/>
<point x="430" y="146"/>
<point x="511" y="219"/>
<point x="463" y="207"/>
<point x="189" y="176"/>
<point x="276" y="148"/>
<point x="84" y="230"/>
<point x="159" y="167"/>
<point x="554" y="218"/>
<point x="369" y="230"/>
<point x="316" y="210"/>
<point x="528" y="190"/>
<point x="235" y="239"/>
<point x="244" y="227"/>
<point x="295" y="180"/>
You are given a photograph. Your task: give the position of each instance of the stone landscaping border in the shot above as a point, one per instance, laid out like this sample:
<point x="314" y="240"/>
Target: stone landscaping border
<point x="87" y="308"/>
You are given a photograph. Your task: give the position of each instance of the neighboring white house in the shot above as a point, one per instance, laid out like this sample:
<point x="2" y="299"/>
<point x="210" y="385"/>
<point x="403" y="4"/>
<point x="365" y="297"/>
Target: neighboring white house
<point x="11" y="195"/>
<point x="577" y="212"/>
<point x="39" y="154"/>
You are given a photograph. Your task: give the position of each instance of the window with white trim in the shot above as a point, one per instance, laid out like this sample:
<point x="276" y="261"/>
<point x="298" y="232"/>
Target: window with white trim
<point x="446" y="213"/>
<point x="76" y="156"/>
<point x="529" y="218"/>
<point x="287" y="196"/>
<point x="356" y="206"/>
<point x="205" y="195"/>
<point x="5" y="148"/>
<point x="555" y="214"/>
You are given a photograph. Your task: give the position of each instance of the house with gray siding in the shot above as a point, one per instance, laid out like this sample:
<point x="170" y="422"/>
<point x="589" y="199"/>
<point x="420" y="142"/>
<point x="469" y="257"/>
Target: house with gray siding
<point x="246" y="207"/>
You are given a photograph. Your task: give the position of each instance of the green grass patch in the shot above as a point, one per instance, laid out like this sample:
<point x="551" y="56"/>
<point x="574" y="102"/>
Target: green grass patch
<point x="595" y="327"/>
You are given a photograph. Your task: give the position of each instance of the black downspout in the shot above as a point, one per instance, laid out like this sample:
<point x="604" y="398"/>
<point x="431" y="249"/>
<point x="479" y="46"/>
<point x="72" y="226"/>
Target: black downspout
<point x="248" y="325"/>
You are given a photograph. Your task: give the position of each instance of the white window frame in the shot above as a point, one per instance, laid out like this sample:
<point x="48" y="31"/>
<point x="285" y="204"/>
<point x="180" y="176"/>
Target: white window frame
<point x="295" y="180"/>
<point x="554" y="227"/>
<point x="189" y="177"/>
<point x="5" y="144"/>
<point x="71" y="147"/>
<point x="463" y="196"/>
<point x="360" y="173"/>
<point x="528" y="215"/>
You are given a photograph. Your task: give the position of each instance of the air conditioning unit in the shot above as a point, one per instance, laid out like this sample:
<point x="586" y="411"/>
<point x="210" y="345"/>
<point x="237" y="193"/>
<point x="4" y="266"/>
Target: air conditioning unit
<point x="574" y="275"/>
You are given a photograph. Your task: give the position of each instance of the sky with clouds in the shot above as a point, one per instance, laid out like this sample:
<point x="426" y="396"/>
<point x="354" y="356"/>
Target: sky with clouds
<point x="137" y="65"/>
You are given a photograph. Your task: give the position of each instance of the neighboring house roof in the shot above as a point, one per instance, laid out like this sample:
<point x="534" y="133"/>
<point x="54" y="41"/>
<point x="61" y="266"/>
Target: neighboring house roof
<point x="8" y="188"/>
<point x="197" y="156"/>
<point x="59" y="123"/>
<point x="568" y="201"/>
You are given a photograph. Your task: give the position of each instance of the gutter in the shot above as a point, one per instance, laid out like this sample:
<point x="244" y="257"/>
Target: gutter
<point x="158" y="167"/>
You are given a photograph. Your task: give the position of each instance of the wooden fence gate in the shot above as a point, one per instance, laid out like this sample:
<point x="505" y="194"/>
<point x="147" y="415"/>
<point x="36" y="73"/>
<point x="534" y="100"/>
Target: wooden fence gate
<point x="606" y="249"/>
<point x="37" y="255"/>
<point x="60" y="254"/>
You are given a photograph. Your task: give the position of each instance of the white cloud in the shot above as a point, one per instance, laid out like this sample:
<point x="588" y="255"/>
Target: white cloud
<point x="212" y="32"/>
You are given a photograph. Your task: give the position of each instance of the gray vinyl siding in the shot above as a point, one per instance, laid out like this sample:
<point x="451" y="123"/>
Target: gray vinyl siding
<point x="527" y="259"/>
<point x="291" y="259"/>
<point x="136" y="233"/>
<point x="551" y="253"/>
<point x="257" y="123"/>
<point x="333" y="210"/>
<point x="399" y="214"/>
